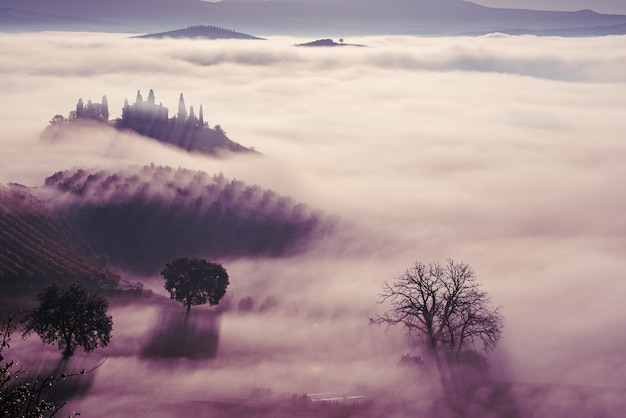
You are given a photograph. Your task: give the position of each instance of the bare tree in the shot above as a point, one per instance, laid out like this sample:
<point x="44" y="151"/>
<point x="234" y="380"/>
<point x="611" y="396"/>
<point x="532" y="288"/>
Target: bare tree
<point x="443" y="306"/>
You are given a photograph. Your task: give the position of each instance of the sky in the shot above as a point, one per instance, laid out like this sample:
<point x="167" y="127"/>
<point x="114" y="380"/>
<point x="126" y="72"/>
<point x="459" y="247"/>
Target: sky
<point x="502" y="152"/>
<point x="600" y="6"/>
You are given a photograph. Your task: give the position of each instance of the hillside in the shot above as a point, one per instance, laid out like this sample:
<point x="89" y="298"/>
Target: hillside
<point x="144" y="217"/>
<point x="186" y="130"/>
<point x="327" y="43"/>
<point x="36" y="246"/>
<point x="200" y="32"/>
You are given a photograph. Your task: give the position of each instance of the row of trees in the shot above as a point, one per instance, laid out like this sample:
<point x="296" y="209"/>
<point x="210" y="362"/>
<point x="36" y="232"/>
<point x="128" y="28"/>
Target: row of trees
<point x="140" y="111"/>
<point x="72" y="317"/>
<point x="441" y="306"/>
<point x="187" y="129"/>
<point x="96" y="111"/>
<point x="143" y="110"/>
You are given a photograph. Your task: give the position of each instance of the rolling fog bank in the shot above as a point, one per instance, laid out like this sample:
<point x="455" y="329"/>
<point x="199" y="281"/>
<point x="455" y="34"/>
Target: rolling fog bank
<point x="502" y="152"/>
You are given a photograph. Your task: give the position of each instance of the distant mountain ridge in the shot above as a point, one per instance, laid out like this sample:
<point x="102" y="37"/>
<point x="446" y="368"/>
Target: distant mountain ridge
<point x="302" y="17"/>
<point x="17" y="19"/>
<point x="567" y="32"/>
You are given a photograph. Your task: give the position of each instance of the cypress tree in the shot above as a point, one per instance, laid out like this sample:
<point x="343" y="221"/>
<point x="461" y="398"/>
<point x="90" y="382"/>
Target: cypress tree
<point x="105" y="108"/>
<point x="182" y="110"/>
<point x="126" y="109"/>
<point x="80" y="108"/>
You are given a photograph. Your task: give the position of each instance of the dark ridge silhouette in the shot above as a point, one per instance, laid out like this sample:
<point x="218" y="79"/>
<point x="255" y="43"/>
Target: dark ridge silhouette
<point x="328" y="43"/>
<point x="145" y="217"/>
<point x="16" y="19"/>
<point x="186" y="130"/>
<point x="201" y="32"/>
<point x="575" y="32"/>
<point x="36" y="246"/>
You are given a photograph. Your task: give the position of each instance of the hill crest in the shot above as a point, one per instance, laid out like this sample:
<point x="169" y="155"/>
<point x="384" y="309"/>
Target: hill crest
<point x="185" y="130"/>
<point x="200" y="32"/>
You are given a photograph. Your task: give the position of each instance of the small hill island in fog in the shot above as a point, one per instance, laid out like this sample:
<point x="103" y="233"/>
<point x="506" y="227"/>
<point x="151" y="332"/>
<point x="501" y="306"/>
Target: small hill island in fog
<point x="327" y="43"/>
<point x="200" y="32"/>
<point x="186" y="130"/>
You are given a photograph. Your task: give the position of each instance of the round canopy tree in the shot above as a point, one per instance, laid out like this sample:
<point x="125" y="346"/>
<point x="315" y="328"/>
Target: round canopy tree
<point x="194" y="281"/>
<point x="70" y="317"/>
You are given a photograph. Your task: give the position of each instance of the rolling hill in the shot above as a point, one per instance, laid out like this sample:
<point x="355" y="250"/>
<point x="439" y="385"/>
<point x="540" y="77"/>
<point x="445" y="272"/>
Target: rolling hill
<point x="36" y="246"/>
<point x="144" y="117"/>
<point x="200" y="32"/>
<point x="143" y="217"/>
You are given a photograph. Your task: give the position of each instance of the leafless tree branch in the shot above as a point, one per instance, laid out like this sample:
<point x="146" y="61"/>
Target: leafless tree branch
<point x="444" y="305"/>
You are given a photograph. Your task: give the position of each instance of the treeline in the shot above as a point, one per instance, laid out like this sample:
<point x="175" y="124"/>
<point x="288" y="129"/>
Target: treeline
<point x="144" y="217"/>
<point x="186" y="130"/>
<point x="210" y="27"/>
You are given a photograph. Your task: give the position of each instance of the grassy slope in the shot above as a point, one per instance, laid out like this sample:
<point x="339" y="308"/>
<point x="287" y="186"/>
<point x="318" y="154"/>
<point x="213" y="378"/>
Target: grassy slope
<point x="36" y="246"/>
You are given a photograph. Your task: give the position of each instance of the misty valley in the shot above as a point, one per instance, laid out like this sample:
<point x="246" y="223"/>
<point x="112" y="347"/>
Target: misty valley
<point x="423" y="227"/>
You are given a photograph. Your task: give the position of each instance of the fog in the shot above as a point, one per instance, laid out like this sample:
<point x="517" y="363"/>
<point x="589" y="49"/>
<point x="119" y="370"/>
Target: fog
<point x="506" y="153"/>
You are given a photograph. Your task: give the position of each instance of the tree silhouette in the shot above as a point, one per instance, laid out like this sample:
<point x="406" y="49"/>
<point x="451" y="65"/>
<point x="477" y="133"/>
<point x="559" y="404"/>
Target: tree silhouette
<point x="126" y="108"/>
<point x="70" y="317"/>
<point x="151" y="98"/>
<point x="443" y="306"/>
<point x="195" y="281"/>
<point x="105" y="108"/>
<point x="80" y="108"/>
<point x="182" y="110"/>
<point x="58" y="120"/>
